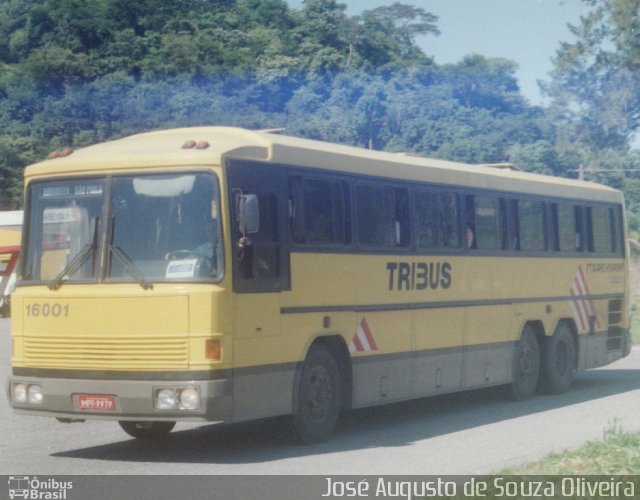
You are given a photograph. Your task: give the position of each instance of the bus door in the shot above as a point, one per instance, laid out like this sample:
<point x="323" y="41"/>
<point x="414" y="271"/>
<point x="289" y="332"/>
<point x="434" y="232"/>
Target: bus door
<point x="260" y="274"/>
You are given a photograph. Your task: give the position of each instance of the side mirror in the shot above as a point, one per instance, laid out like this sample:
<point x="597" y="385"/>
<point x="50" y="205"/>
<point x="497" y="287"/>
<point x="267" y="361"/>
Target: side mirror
<point x="248" y="214"/>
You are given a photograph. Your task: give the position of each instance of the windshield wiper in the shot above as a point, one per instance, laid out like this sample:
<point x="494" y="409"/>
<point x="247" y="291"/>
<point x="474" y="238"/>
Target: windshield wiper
<point x="72" y="267"/>
<point x="78" y="261"/>
<point x="130" y="267"/>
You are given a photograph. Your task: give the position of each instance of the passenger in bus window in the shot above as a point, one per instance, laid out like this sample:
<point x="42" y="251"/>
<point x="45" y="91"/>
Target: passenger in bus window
<point x="470" y="239"/>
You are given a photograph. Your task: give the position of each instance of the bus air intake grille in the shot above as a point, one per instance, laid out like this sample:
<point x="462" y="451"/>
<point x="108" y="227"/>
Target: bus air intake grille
<point x="107" y="353"/>
<point x="615" y="332"/>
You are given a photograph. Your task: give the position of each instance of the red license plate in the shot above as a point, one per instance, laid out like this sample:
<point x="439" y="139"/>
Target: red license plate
<point x="97" y="402"/>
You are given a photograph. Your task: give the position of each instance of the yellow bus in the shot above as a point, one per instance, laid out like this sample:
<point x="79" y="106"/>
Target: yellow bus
<point x="219" y="275"/>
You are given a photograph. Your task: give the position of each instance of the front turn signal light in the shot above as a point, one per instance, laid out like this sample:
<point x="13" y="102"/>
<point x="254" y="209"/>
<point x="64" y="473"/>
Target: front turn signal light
<point x="213" y="349"/>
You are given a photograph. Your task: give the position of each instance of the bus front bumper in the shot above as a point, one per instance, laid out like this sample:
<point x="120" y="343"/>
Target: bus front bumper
<point x="203" y="400"/>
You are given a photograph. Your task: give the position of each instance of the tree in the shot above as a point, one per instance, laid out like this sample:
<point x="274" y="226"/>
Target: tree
<point x="322" y="35"/>
<point x="388" y="35"/>
<point x="74" y="72"/>
<point x="595" y="85"/>
<point x="595" y="92"/>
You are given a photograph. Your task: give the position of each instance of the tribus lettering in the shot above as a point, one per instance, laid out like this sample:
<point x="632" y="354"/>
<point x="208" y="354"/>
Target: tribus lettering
<point x="419" y="275"/>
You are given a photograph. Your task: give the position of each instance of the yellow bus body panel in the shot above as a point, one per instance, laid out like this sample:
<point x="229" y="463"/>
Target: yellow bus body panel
<point x="119" y="327"/>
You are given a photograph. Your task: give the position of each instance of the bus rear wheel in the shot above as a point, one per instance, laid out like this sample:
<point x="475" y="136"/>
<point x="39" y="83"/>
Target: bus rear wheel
<point x="318" y="396"/>
<point x="559" y="360"/>
<point x="526" y="365"/>
<point x="146" y="430"/>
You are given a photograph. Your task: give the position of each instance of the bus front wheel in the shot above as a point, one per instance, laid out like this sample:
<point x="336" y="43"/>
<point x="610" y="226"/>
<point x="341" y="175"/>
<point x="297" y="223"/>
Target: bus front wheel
<point x="559" y="360"/>
<point x="318" y="396"/>
<point x="526" y="365"/>
<point x="146" y="430"/>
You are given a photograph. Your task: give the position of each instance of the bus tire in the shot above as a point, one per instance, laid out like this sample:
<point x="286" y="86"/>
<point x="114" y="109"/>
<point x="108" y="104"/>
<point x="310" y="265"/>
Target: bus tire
<point x="146" y="430"/>
<point x="559" y="360"/>
<point x="526" y="365"/>
<point x="318" y="396"/>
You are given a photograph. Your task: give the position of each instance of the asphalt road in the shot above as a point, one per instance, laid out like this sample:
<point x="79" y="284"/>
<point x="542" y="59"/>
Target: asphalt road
<point x="475" y="432"/>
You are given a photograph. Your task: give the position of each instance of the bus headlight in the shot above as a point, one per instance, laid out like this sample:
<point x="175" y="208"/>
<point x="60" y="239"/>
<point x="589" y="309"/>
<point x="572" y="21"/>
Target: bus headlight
<point x="166" y="399"/>
<point x="34" y="394"/>
<point x="20" y="393"/>
<point x="179" y="398"/>
<point x="189" y="399"/>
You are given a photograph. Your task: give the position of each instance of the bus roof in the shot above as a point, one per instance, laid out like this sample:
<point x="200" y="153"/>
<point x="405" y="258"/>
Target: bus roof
<point x="204" y="146"/>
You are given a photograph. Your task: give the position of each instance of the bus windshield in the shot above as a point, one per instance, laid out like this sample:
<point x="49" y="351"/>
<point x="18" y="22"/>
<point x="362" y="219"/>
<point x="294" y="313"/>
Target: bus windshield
<point x="140" y="228"/>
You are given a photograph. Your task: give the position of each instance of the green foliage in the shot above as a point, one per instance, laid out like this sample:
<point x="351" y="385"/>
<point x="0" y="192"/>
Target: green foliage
<point x="75" y="72"/>
<point x="595" y="91"/>
<point x="617" y="454"/>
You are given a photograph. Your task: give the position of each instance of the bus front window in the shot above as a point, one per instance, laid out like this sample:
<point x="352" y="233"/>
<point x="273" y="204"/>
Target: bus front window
<point x="165" y="227"/>
<point x="152" y="228"/>
<point x="63" y="227"/>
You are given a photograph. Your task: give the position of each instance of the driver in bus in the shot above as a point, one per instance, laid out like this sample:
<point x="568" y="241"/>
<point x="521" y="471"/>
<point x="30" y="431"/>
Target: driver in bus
<point x="209" y="249"/>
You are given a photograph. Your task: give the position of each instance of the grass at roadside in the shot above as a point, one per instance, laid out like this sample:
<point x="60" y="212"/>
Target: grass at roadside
<point x="618" y="453"/>
<point x="600" y="469"/>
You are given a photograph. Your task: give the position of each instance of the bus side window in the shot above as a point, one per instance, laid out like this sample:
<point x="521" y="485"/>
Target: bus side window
<point x="602" y="230"/>
<point x="511" y="225"/>
<point x="531" y="220"/>
<point x="579" y="229"/>
<point x="617" y="232"/>
<point x="296" y="210"/>
<point x="382" y="216"/>
<point x="436" y="219"/>
<point x="261" y="258"/>
<point x="318" y="211"/>
<point x="483" y="226"/>
<point x="469" y="222"/>
<point x="566" y="237"/>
